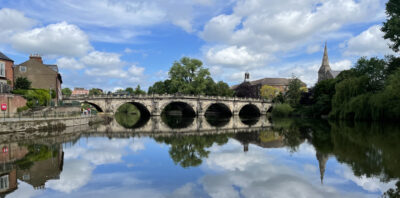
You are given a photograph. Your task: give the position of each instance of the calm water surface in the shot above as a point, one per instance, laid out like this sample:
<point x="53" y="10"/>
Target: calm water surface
<point x="176" y="157"/>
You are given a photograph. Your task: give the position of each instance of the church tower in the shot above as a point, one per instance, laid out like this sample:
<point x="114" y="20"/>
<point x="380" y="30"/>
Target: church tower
<point x="322" y="159"/>
<point x="325" y="71"/>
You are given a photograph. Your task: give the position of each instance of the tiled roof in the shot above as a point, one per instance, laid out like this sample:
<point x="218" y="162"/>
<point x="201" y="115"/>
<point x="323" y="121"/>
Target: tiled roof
<point x="4" y="57"/>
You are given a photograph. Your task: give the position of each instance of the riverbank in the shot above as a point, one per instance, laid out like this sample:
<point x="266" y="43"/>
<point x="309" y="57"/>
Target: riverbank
<point x="45" y="124"/>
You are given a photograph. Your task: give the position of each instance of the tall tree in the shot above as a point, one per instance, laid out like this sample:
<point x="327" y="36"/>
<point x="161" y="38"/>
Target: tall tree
<point x="293" y="93"/>
<point x="392" y="26"/>
<point x="139" y="91"/>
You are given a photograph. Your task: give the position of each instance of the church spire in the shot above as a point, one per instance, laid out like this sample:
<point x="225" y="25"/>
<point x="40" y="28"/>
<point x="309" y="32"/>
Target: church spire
<point x="322" y="159"/>
<point x="325" y="59"/>
<point x="325" y="71"/>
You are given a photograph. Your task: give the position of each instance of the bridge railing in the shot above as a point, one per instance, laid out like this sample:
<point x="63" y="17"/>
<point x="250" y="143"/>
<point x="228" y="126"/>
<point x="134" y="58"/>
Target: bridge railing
<point x="125" y="96"/>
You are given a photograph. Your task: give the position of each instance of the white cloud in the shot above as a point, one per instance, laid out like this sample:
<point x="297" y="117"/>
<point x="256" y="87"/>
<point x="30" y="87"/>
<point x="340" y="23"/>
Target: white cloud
<point x="60" y="39"/>
<point x="256" y="34"/>
<point x="235" y="56"/>
<point x="76" y="173"/>
<point x="368" y="43"/>
<point x="69" y="63"/>
<point x="102" y="60"/>
<point x="12" y="21"/>
<point x="313" y="48"/>
<point x="136" y="71"/>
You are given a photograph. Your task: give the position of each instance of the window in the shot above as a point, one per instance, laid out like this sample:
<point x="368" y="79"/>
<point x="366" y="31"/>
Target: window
<point x="22" y="68"/>
<point x="4" y="182"/>
<point x="2" y="69"/>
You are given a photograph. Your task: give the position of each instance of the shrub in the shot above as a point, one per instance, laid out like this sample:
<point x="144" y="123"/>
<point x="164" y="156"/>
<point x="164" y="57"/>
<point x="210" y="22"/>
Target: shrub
<point x="22" y="83"/>
<point x="282" y="110"/>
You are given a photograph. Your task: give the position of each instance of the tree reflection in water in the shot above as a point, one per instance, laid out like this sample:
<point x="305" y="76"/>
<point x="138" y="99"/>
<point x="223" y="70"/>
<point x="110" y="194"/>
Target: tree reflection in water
<point x="188" y="150"/>
<point x="370" y="149"/>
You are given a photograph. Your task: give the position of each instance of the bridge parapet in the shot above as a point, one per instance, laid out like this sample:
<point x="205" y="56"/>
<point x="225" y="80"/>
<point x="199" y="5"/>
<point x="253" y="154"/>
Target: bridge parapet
<point x="158" y="96"/>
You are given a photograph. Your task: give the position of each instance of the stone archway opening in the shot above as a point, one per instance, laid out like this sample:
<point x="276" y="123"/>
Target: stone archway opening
<point x="93" y="105"/>
<point x="218" y="109"/>
<point x="178" y="115"/>
<point x="249" y="110"/>
<point x="249" y="114"/>
<point x="218" y="115"/>
<point x="178" y="109"/>
<point x="132" y="115"/>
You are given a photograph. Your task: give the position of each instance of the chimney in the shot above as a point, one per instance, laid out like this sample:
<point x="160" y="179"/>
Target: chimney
<point x="36" y="57"/>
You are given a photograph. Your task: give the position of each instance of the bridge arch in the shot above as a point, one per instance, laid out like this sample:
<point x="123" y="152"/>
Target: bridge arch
<point x="143" y="118"/>
<point x="249" y="110"/>
<point x="219" y="109"/>
<point x="186" y="108"/>
<point x="96" y="106"/>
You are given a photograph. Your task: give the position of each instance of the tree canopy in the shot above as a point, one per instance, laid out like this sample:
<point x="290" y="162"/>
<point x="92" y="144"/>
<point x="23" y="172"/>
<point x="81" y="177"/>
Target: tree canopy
<point x="66" y="91"/>
<point x="392" y="26"/>
<point x="189" y="77"/>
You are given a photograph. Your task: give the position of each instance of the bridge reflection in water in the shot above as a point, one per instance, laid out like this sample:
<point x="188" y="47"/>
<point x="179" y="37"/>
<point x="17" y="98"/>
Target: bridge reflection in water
<point x="36" y="158"/>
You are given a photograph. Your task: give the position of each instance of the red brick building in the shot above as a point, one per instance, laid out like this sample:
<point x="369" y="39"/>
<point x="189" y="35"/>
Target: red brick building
<point x="6" y="70"/>
<point x="80" y="91"/>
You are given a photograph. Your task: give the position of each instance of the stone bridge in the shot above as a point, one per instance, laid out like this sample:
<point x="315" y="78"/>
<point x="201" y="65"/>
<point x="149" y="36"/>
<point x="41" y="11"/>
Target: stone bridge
<point x="155" y="104"/>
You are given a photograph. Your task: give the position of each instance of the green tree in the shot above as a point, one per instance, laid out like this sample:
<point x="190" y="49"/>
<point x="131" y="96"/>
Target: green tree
<point x="189" y="77"/>
<point x="130" y="90"/>
<point x="66" y="91"/>
<point x="139" y="91"/>
<point x="294" y="91"/>
<point x="268" y="92"/>
<point x="22" y="83"/>
<point x="95" y="91"/>
<point x="392" y="26"/>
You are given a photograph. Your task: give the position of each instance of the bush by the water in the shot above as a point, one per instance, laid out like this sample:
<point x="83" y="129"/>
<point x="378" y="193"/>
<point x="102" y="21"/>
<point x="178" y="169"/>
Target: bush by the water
<point x="35" y="97"/>
<point x="282" y="110"/>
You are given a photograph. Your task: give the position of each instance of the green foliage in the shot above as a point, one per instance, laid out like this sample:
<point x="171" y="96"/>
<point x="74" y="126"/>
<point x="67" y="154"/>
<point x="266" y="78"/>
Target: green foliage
<point x="392" y="26"/>
<point x="268" y="92"/>
<point x="66" y="91"/>
<point x="22" y="83"/>
<point x="282" y="110"/>
<point x="189" y="150"/>
<point x="294" y="91"/>
<point x="34" y="97"/>
<point x="95" y="91"/>
<point x="139" y="91"/>
<point x="129" y="90"/>
<point x="368" y="92"/>
<point x="127" y="115"/>
<point x="189" y="77"/>
<point x="21" y="109"/>
<point x="36" y="153"/>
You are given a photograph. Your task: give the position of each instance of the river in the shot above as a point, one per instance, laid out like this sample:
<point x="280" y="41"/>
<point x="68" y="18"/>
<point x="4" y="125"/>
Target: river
<point x="171" y="156"/>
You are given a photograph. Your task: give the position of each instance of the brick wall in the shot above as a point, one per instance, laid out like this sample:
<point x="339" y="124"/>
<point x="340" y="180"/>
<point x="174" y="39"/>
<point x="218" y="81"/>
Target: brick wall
<point x="13" y="102"/>
<point x="10" y="72"/>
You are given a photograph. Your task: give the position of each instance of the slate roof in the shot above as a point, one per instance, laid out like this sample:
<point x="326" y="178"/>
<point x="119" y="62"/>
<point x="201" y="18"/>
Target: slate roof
<point x="53" y="67"/>
<point x="335" y="73"/>
<point x="4" y="57"/>
<point x="270" y="81"/>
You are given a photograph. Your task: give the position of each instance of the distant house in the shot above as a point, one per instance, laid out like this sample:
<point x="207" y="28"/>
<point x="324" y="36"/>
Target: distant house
<point x="6" y="70"/>
<point x="80" y="91"/>
<point x="251" y="89"/>
<point x="42" y="76"/>
<point x="325" y="72"/>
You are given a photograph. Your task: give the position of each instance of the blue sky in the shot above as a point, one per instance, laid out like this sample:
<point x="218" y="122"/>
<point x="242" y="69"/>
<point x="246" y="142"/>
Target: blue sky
<point x="114" y="44"/>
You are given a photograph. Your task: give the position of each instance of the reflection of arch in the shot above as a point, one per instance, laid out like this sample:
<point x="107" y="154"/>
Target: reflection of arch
<point x="250" y="110"/>
<point x="178" y="106"/>
<point x="98" y="108"/>
<point x="219" y="109"/>
<point x="177" y="122"/>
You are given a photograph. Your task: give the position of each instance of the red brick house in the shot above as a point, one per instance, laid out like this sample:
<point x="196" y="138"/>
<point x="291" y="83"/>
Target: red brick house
<point x="6" y="70"/>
